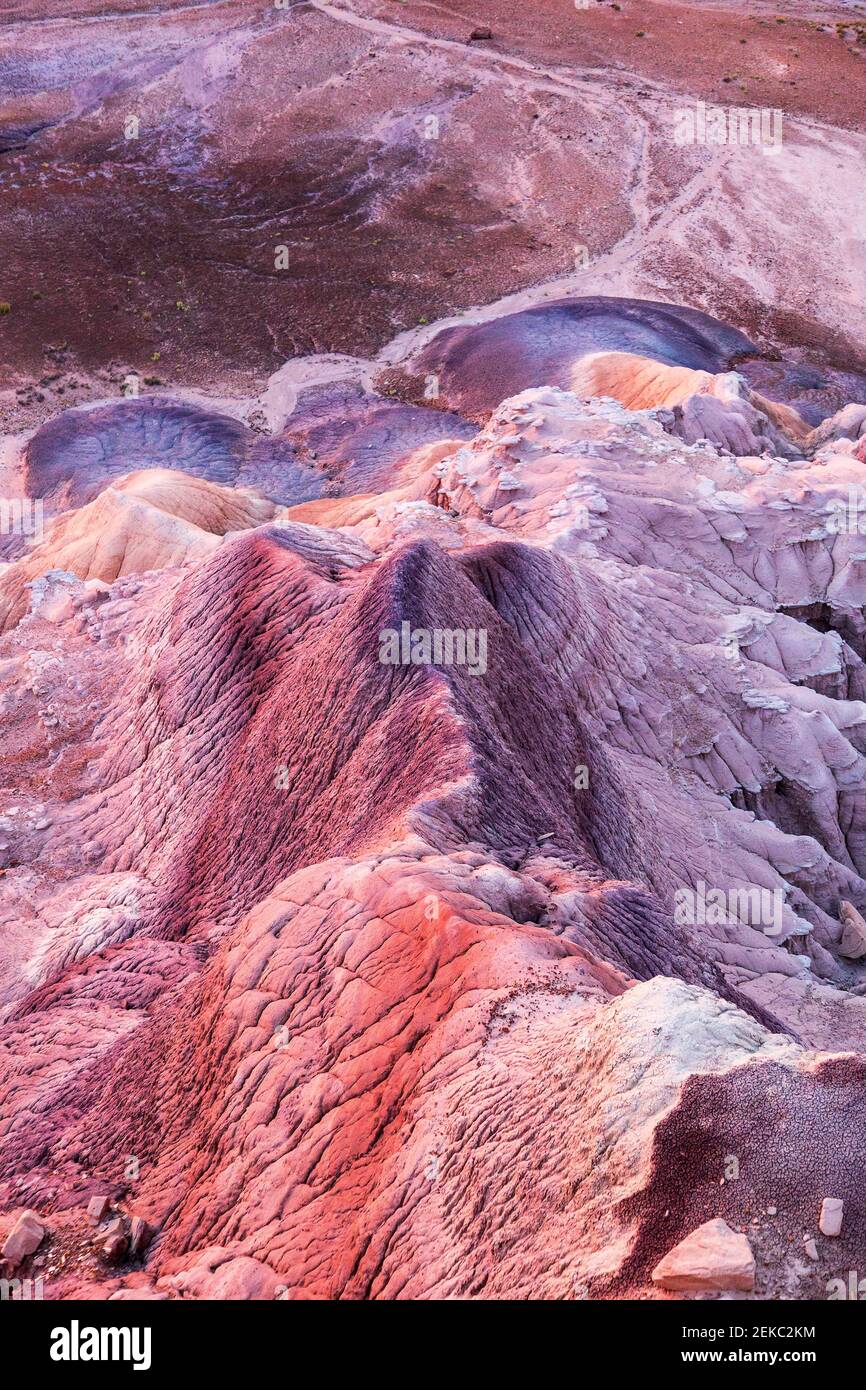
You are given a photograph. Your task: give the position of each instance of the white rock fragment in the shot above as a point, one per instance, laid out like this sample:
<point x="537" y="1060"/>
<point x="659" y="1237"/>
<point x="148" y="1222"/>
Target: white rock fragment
<point x="830" y="1222"/>
<point x="759" y="699"/>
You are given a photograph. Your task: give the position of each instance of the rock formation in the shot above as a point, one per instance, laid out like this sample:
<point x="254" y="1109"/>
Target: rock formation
<point x="712" y="1258"/>
<point x="433" y="808"/>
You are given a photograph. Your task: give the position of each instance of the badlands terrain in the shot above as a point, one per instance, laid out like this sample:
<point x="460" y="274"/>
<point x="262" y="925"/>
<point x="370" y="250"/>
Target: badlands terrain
<point x="433" y="613"/>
